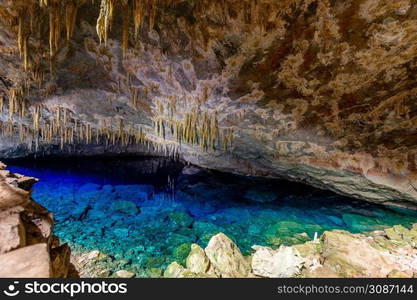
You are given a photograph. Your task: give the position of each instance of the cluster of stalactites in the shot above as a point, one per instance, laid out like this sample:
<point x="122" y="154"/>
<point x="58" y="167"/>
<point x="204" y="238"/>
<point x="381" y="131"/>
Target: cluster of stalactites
<point x="140" y="10"/>
<point x="136" y="8"/>
<point x="41" y="125"/>
<point x="29" y="20"/>
<point x="253" y="12"/>
<point x="195" y="128"/>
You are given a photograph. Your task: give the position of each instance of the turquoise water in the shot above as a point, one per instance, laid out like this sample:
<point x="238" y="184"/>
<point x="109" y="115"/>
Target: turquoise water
<point x="148" y="211"/>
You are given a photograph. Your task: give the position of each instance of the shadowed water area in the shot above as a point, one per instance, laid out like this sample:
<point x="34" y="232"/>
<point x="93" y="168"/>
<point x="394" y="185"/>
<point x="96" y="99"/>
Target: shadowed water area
<point x="145" y="213"/>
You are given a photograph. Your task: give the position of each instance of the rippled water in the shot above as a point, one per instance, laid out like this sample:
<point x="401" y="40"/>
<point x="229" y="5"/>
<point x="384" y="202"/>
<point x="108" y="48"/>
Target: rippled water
<point x="148" y="211"/>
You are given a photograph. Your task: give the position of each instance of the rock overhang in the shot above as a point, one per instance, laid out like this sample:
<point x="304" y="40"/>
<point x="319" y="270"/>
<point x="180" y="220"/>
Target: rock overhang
<point x="321" y="92"/>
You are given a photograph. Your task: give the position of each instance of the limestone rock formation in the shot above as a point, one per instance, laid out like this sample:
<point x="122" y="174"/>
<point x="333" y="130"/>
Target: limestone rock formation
<point x="336" y="254"/>
<point x="221" y="258"/>
<point x="316" y="91"/>
<point x="31" y="261"/>
<point x="226" y="258"/>
<point x="197" y="260"/>
<point x="174" y="270"/>
<point x="28" y="247"/>
<point x="349" y="256"/>
<point x="281" y="263"/>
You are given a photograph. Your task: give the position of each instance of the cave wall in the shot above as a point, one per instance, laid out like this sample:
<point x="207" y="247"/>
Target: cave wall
<point x="317" y="91"/>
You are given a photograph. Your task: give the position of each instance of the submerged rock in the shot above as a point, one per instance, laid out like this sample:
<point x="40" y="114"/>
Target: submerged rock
<point x="181" y="252"/>
<point x="261" y="195"/>
<point x="136" y="193"/>
<point x="181" y="219"/>
<point x="125" y="207"/>
<point x="80" y="211"/>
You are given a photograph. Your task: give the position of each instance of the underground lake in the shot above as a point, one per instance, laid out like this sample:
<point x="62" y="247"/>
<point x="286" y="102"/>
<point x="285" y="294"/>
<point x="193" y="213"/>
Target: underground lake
<point x="144" y="213"/>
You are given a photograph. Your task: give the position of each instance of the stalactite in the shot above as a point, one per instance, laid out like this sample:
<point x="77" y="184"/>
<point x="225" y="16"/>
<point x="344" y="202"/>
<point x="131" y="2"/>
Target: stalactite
<point x="22" y="39"/>
<point x="54" y="30"/>
<point x="152" y="9"/>
<point x="125" y="27"/>
<point x="36" y="117"/>
<point x="58" y="117"/>
<point x="22" y="108"/>
<point x="43" y="3"/>
<point x="105" y="19"/>
<point x="71" y="10"/>
<point x="25" y="53"/>
<point x="137" y="15"/>
<point x="134" y="92"/>
<point x="13" y="96"/>
<point x="20" y="35"/>
<point x="192" y="127"/>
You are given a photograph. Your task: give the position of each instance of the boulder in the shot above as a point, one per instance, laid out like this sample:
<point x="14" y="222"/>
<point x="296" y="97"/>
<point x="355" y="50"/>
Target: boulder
<point x="27" y="262"/>
<point x="281" y="263"/>
<point x="197" y="260"/>
<point x="226" y="257"/>
<point x="11" y="196"/>
<point x="26" y="183"/>
<point x="174" y="270"/>
<point x="350" y="255"/>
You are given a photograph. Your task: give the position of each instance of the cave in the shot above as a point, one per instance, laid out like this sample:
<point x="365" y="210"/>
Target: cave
<point x="198" y="138"/>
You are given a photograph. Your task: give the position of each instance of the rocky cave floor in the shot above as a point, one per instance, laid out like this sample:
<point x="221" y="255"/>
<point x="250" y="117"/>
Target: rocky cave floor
<point x="183" y="221"/>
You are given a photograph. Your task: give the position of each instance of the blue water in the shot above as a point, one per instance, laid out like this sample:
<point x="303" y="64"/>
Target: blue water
<point x="148" y="211"/>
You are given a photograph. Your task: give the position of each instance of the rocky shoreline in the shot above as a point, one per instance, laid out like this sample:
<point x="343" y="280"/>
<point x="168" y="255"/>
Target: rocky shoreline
<point x="337" y="253"/>
<point x="389" y="253"/>
<point x="28" y="247"/>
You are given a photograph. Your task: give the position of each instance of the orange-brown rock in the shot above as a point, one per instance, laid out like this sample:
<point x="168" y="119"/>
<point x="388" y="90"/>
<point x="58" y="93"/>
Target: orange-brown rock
<point x="28" y="247"/>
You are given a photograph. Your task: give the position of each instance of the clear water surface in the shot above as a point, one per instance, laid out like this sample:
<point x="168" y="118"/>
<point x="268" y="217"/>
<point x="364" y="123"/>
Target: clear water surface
<point x="148" y="211"/>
